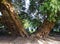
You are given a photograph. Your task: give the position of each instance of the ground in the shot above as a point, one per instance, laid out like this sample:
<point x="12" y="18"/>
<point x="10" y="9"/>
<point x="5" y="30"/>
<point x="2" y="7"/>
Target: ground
<point x="20" y="40"/>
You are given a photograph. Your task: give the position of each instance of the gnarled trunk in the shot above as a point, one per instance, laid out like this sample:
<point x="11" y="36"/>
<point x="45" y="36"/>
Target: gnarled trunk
<point x="11" y="20"/>
<point x="44" y="30"/>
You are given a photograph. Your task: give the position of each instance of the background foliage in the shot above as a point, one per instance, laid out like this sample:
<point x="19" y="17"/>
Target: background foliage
<point x="34" y="12"/>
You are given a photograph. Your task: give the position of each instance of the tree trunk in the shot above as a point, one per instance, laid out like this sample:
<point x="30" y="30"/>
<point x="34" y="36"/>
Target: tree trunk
<point x="44" y="30"/>
<point x="11" y="20"/>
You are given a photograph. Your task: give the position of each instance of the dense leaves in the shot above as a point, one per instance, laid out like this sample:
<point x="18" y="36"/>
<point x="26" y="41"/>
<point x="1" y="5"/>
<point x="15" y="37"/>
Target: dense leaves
<point x="50" y="7"/>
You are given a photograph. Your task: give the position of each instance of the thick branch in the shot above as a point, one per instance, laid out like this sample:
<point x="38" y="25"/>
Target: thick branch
<point x="13" y="16"/>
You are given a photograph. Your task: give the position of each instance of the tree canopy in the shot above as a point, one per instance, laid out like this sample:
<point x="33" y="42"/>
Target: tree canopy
<point x="35" y="13"/>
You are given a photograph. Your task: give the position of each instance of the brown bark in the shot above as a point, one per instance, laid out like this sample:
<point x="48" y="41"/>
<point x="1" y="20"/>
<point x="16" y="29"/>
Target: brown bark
<point x="10" y="18"/>
<point x="44" y="30"/>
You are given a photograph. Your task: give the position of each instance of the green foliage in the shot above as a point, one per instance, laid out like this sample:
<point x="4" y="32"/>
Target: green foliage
<point x="28" y="23"/>
<point x="50" y="7"/>
<point x="32" y="6"/>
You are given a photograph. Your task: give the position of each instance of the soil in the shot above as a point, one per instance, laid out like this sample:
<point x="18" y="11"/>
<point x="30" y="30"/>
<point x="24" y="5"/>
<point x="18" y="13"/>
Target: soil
<point x="20" y="40"/>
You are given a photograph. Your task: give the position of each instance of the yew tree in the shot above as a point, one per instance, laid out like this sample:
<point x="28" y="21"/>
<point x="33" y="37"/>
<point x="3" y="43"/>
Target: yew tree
<point x="34" y="18"/>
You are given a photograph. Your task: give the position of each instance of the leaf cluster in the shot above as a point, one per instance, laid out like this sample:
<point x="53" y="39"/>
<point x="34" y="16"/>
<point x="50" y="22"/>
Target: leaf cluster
<point x="50" y="7"/>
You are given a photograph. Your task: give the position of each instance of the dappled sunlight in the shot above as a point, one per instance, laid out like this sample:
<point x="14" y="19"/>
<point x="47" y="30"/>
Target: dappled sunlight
<point x="48" y="41"/>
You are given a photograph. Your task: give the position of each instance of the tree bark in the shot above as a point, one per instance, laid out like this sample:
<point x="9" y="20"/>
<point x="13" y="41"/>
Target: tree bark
<point x="11" y="20"/>
<point x="44" y="30"/>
